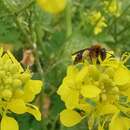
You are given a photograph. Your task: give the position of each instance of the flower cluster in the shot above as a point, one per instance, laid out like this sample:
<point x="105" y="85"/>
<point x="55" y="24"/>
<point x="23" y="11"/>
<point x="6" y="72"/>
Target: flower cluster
<point x="52" y="6"/>
<point x="98" y="18"/>
<point x="16" y="91"/>
<point x="98" y="21"/>
<point x="113" y="7"/>
<point x="100" y="92"/>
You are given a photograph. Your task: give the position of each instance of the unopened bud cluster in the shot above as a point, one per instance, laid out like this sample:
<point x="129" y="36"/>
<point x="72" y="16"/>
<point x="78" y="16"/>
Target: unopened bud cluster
<point x="11" y="80"/>
<point x="17" y="90"/>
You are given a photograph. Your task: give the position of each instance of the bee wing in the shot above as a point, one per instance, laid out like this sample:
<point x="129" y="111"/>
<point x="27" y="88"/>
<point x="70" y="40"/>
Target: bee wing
<point x="81" y="51"/>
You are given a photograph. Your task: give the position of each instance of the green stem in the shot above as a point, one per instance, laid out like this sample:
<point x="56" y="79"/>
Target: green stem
<point x="41" y="72"/>
<point x="68" y="19"/>
<point x="23" y="31"/>
<point x="37" y="58"/>
<point x="115" y="31"/>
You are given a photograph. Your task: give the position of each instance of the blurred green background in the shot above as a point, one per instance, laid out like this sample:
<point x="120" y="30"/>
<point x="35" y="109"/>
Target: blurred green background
<point x="52" y="39"/>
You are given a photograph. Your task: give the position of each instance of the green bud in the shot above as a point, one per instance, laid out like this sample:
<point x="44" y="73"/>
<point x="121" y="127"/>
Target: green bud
<point x="6" y="94"/>
<point x="9" y="80"/>
<point x="93" y="72"/>
<point x="104" y="78"/>
<point x="103" y="97"/>
<point x="2" y="74"/>
<point x="110" y="72"/>
<point x="17" y="83"/>
<point x="6" y="66"/>
<point x="16" y="76"/>
<point x="25" y="77"/>
<point x="115" y="89"/>
<point x="13" y="68"/>
<point x="117" y="97"/>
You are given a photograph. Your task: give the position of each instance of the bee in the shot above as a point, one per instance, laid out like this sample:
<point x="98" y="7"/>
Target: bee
<point x="91" y="54"/>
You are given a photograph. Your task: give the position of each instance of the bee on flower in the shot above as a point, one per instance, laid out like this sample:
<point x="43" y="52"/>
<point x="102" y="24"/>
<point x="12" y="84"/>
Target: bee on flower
<point x="100" y="92"/>
<point x="17" y="90"/>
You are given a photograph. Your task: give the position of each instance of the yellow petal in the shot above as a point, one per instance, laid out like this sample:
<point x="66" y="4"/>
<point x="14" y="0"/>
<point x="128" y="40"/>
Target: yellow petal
<point x="72" y="99"/>
<point x="91" y="121"/>
<point x="28" y="97"/>
<point x="13" y="59"/>
<point x="8" y="123"/>
<point x="34" y="111"/>
<point x="1" y="51"/>
<point x="52" y="6"/>
<point x="126" y="122"/>
<point x="72" y="70"/>
<point x="85" y="107"/>
<point x="127" y="93"/>
<point x="33" y="86"/>
<point x="6" y="58"/>
<point x="61" y="91"/>
<point x="119" y="123"/>
<point x="90" y="91"/>
<point x="70" y="118"/>
<point x="82" y="74"/>
<point x="116" y="123"/>
<point x="122" y="76"/>
<point x="100" y="127"/>
<point x="108" y="109"/>
<point x="17" y="106"/>
<point x="69" y="96"/>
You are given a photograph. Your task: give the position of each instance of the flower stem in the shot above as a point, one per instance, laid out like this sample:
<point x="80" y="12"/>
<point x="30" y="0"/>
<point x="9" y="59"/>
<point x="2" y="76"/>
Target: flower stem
<point x="68" y="19"/>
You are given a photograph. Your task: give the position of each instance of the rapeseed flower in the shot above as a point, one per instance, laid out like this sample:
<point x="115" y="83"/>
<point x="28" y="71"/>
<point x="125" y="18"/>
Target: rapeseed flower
<point x="113" y="7"/>
<point x="17" y="90"/>
<point x="98" y="21"/>
<point x="52" y="6"/>
<point x="100" y="92"/>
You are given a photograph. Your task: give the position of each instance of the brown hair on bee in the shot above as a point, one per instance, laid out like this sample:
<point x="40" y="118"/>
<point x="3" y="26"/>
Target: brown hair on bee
<point x="93" y="53"/>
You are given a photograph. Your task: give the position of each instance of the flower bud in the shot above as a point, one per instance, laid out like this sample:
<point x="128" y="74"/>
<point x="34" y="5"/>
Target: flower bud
<point x="2" y="74"/>
<point x="17" y="83"/>
<point x="93" y="72"/>
<point x="115" y="89"/>
<point x="6" y="94"/>
<point x="13" y="68"/>
<point x="25" y="77"/>
<point x="117" y="97"/>
<point x="9" y="80"/>
<point x="104" y="97"/>
<point x="110" y="72"/>
<point x="104" y="78"/>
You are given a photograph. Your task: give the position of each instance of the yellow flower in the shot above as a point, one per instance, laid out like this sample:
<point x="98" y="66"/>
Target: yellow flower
<point x="98" y="90"/>
<point x="52" y="6"/>
<point x="16" y="91"/>
<point x="119" y="123"/>
<point x="113" y="7"/>
<point x="9" y="123"/>
<point x="70" y="117"/>
<point x="90" y="91"/>
<point x="69" y="90"/>
<point x="98" y="21"/>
